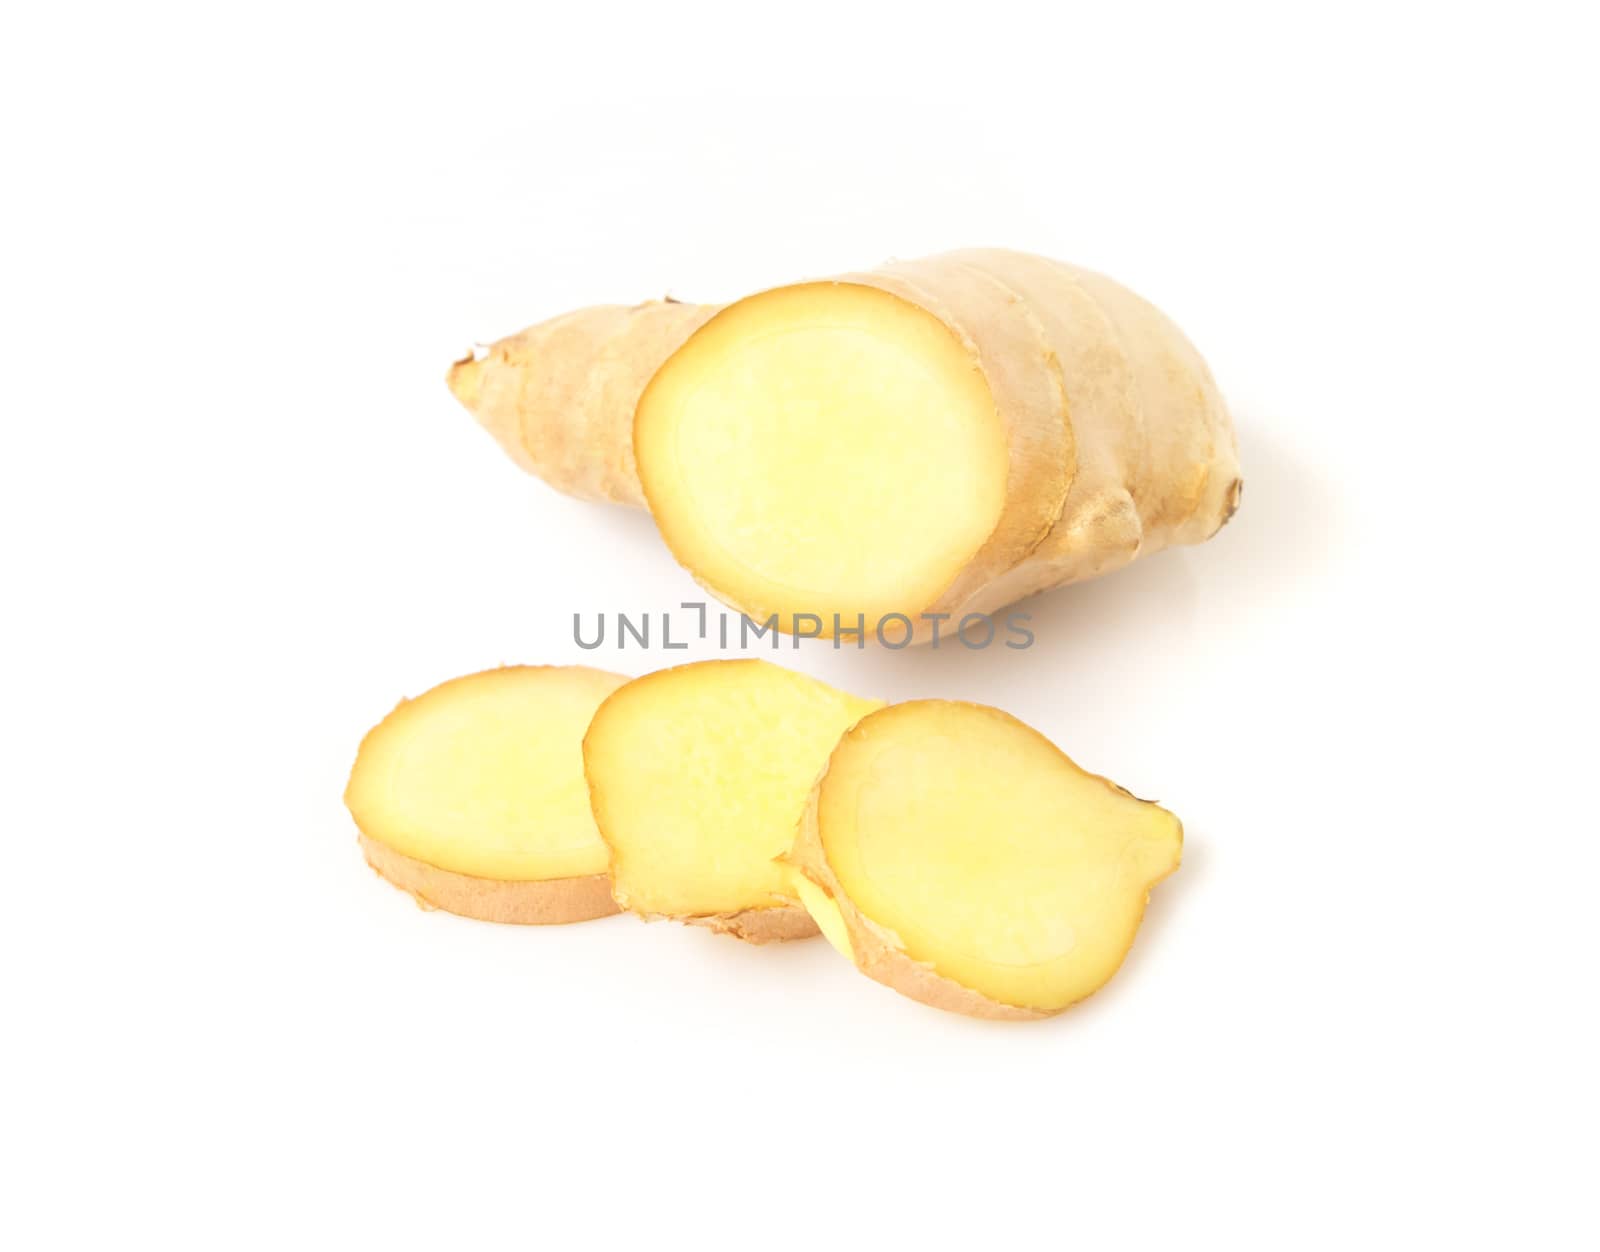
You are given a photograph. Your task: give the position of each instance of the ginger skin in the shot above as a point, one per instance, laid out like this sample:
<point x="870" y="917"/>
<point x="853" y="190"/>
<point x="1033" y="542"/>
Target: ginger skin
<point x="559" y="397"/>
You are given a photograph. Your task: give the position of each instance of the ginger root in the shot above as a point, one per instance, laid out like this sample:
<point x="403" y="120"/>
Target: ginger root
<point x="958" y="856"/>
<point x="697" y="777"/>
<point x="472" y="797"/>
<point x="941" y="436"/>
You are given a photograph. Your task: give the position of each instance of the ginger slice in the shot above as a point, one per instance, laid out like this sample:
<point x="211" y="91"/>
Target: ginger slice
<point x="958" y="856"/>
<point x="472" y="798"/>
<point x="823" y="449"/>
<point x="697" y="777"/>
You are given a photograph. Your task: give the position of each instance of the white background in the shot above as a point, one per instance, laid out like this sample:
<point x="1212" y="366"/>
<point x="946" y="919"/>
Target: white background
<point x="242" y="517"/>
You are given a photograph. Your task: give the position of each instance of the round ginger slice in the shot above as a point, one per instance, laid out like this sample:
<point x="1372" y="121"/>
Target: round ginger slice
<point x="824" y="449"/>
<point x="472" y="798"/>
<point x="958" y="856"/>
<point x="698" y="776"/>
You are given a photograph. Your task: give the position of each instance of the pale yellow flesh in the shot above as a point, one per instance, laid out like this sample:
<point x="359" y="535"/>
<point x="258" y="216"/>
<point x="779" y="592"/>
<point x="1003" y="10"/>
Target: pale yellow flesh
<point x="988" y="854"/>
<point x="823" y="449"/>
<point x="483" y="775"/>
<point x="825" y="912"/>
<point x="698" y="776"/>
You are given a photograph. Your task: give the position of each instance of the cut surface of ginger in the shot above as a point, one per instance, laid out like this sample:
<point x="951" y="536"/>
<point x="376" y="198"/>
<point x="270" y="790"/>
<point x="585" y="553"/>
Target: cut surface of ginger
<point x="823" y="449"/>
<point x="979" y="851"/>
<point x="698" y="776"/>
<point x="483" y="776"/>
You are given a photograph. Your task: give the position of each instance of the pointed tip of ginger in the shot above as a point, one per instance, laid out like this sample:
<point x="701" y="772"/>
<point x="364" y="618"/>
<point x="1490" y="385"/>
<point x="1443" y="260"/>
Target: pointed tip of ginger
<point x="465" y="379"/>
